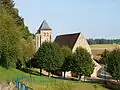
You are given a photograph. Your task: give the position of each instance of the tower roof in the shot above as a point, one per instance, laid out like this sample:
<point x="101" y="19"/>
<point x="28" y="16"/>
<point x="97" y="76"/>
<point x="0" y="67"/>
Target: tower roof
<point x="44" y="26"/>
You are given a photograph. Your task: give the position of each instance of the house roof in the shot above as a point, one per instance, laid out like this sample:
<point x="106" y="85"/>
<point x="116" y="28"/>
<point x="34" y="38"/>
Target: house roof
<point x="67" y="40"/>
<point x="44" y="26"/>
<point x="97" y="57"/>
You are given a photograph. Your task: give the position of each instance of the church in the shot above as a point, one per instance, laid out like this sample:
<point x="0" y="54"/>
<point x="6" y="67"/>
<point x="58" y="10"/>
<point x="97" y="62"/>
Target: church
<point x="74" y="40"/>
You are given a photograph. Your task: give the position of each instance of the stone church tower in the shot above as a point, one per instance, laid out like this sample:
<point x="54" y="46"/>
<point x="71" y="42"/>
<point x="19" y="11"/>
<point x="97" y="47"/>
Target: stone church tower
<point x="44" y="33"/>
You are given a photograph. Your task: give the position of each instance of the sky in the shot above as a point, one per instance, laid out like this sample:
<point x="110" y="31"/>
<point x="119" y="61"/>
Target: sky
<point x="94" y="18"/>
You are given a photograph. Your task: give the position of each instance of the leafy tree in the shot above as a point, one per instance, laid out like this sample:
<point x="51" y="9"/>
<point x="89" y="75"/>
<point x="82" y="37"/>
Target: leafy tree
<point x="82" y="62"/>
<point x="9" y="39"/>
<point x="104" y="57"/>
<point x="49" y="57"/>
<point x="15" y="39"/>
<point x="113" y="63"/>
<point x="27" y="49"/>
<point x="67" y="64"/>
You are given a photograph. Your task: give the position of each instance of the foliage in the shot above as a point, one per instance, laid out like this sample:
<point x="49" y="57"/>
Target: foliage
<point x="104" y="56"/>
<point x="9" y="39"/>
<point x="67" y="64"/>
<point x="49" y="56"/>
<point x="113" y="63"/>
<point x="82" y="63"/>
<point x="103" y="41"/>
<point x="18" y="64"/>
<point x="15" y="39"/>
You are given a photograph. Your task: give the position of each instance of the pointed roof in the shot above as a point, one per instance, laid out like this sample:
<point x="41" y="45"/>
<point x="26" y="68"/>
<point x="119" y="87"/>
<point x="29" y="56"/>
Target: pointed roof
<point x="67" y="40"/>
<point x="44" y="26"/>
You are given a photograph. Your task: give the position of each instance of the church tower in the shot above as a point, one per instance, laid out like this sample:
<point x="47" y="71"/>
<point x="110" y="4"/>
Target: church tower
<point x="44" y="33"/>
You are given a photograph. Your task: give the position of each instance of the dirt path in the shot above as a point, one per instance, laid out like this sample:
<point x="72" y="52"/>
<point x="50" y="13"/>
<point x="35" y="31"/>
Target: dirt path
<point x="6" y="86"/>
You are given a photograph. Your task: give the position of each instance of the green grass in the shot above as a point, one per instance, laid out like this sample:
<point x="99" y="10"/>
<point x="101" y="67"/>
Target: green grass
<point x="10" y="74"/>
<point x="45" y="83"/>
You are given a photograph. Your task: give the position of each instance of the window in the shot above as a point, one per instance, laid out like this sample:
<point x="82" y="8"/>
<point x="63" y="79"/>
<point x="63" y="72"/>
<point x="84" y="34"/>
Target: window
<point x="44" y="34"/>
<point x="47" y="34"/>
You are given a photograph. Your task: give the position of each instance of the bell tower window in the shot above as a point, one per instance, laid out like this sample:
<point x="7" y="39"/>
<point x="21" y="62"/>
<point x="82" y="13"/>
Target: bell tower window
<point x="44" y="34"/>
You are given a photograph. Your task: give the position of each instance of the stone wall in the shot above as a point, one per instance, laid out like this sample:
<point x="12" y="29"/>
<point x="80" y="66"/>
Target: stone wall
<point x="81" y="41"/>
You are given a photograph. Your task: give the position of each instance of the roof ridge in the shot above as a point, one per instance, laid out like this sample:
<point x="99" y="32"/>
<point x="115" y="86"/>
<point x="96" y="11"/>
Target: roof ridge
<point x="69" y="34"/>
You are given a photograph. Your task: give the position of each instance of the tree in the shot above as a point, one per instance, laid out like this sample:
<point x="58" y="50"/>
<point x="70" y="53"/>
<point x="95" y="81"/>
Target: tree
<point x="9" y="39"/>
<point x="18" y="64"/>
<point x="12" y="27"/>
<point x="82" y="63"/>
<point x="113" y="63"/>
<point x="49" y="57"/>
<point x="67" y="64"/>
<point x="104" y="57"/>
<point x="10" y="24"/>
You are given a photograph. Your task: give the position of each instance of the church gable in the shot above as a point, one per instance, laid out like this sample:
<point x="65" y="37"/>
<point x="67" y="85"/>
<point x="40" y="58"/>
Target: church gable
<point x="82" y="42"/>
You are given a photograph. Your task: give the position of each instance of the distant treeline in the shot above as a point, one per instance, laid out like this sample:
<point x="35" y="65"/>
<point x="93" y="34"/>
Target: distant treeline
<point x="103" y="41"/>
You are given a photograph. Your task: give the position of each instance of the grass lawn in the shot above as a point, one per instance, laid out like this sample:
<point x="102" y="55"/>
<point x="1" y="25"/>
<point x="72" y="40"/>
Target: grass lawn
<point x="45" y="83"/>
<point x="99" y="48"/>
<point x="10" y="74"/>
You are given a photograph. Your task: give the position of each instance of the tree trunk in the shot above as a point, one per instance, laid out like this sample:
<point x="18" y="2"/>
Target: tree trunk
<point x="49" y="74"/>
<point x="64" y="74"/>
<point x="79" y="77"/>
<point x="40" y="71"/>
<point x="84" y="78"/>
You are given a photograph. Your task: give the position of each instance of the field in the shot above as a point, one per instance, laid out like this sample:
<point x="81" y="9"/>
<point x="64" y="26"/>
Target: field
<point x="99" y="48"/>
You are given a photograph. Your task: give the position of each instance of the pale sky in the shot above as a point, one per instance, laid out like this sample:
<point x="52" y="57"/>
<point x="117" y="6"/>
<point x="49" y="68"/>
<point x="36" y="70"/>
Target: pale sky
<point x="94" y="18"/>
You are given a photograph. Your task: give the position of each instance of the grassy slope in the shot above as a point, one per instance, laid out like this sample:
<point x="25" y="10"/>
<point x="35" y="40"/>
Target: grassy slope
<point x="45" y="83"/>
<point x="99" y="48"/>
<point x="10" y="74"/>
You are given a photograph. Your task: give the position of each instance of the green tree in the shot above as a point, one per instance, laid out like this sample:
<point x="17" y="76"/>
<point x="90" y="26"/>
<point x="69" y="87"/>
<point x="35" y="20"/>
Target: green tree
<point x="104" y="57"/>
<point x="113" y="63"/>
<point x="50" y="57"/>
<point x="15" y="36"/>
<point x="67" y="53"/>
<point x="82" y="62"/>
<point x="9" y="39"/>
